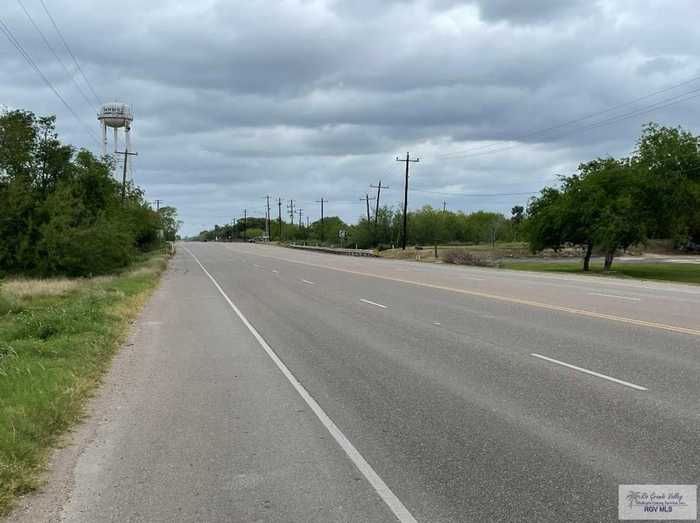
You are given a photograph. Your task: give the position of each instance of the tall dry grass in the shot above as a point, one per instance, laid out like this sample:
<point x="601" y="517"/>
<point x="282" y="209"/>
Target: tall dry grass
<point x="25" y="287"/>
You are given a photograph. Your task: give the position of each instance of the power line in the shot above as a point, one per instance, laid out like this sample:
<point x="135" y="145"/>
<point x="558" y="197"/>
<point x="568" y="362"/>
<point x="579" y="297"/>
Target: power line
<point x="658" y="105"/>
<point x="480" y="195"/>
<point x="17" y="45"/>
<point x="75" y="60"/>
<point x="459" y="154"/>
<point x="58" y="58"/>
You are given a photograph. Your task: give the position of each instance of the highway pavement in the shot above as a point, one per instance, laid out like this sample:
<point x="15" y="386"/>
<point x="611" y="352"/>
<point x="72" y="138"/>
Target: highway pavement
<point x="268" y="384"/>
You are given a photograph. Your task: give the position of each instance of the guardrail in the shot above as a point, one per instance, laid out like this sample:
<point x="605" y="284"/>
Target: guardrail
<point x="334" y="250"/>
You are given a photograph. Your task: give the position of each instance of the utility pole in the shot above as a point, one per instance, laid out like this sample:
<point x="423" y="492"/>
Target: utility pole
<point x="279" y="217"/>
<point x="321" y="202"/>
<point x="157" y="202"/>
<point x="444" y="206"/>
<point x="267" y="218"/>
<point x="290" y="208"/>
<point x="301" y="223"/>
<point x="405" y="196"/>
<point x="367" y="199"/>
<point x="307" y="222"/>
<point x="379" y="191"/>
<point x="126" y="154"/>
<point x="245" y="220"/>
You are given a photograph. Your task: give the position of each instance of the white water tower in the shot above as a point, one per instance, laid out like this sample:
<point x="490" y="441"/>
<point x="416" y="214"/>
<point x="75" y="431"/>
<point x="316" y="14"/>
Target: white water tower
<point x="116" y="115"/>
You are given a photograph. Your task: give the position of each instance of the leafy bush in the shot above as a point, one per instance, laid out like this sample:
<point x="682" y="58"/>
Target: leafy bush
<point x="462" y="257"/>
<point x="9" y="304"/>
<point x="98" y="249"/>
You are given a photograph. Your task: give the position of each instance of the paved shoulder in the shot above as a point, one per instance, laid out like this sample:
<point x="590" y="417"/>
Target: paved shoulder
<point x="196" y="423"/>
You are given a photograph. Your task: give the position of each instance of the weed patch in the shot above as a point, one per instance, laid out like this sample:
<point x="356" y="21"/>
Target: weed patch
<point x="56" y="340"/>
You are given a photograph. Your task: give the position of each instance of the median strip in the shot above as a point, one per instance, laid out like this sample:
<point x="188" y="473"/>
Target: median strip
<point x="592" y="373"/>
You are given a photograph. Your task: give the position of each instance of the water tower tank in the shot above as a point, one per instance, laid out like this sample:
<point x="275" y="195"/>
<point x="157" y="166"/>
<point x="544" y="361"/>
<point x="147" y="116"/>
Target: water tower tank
<point x="116" y="114"/>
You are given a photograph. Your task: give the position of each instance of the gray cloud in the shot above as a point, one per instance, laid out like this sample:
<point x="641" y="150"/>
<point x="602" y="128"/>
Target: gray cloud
<point x="303" y="98"/>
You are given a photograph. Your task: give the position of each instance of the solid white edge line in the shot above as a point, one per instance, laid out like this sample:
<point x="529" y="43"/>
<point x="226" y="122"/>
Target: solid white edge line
<point x="373" y="303"/>
<point x="592" y="373"/>
<point x="309" y="282"/>
<point x="381" y="488"/>
<point x="631" y="298"/>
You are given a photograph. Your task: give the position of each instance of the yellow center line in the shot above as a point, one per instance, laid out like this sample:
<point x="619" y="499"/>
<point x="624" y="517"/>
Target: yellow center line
<point x="507" y="299"/>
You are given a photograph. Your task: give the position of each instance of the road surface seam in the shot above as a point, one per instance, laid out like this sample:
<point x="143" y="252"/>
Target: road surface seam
<point x="382" y="489"/>
<point x="547" y="306"/>
<point x="592" y="373"/>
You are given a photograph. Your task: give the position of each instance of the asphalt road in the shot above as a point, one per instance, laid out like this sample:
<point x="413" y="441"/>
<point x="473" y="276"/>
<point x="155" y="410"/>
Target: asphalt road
<point x="268" y="384"/>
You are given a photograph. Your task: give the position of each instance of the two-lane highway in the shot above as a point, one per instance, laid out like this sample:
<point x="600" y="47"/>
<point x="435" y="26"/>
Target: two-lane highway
<point x="275" y="385"/>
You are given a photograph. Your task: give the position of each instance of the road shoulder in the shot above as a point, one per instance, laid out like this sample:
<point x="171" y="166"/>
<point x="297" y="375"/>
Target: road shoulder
<point x="194" y="422"/>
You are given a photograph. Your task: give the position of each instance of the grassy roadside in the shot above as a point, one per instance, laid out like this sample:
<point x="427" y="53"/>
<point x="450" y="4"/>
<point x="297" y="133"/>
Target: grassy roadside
<point x="675" y="272"/>
<point x="57" y="338"/>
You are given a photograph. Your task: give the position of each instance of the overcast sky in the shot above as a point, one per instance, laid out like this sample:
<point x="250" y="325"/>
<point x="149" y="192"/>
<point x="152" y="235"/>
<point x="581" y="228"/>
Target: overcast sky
<point x="234" y="100"/>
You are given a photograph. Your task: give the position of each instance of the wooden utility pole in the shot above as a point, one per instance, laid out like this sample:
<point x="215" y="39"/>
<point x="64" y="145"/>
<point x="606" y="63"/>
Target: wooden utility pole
<point x="379" y="188"/>
<point x="279" y="217"/>
<point x="290" y="208"/>
<point x="405" y="197"/>
<point x="367" y="199"/>
<point x="267" y="218"/>
<point x="321" y="202"/>
<point x="245" y="223"/>
<point x="126" y="154"/>
<point x="369" y="218"/>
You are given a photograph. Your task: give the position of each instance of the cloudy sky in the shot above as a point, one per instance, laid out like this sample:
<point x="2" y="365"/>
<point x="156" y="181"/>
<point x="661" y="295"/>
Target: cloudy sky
<point x="303" y="99"/>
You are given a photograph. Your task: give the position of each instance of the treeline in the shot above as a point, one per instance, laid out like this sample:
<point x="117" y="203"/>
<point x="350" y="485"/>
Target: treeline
<point x="611" y="204"/>
<point x="425" y="226"/>
<point x="61" y="211"/>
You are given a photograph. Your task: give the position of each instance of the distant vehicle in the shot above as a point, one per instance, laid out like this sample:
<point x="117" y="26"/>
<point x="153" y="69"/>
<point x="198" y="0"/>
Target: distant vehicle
<point x="259" y="239"/>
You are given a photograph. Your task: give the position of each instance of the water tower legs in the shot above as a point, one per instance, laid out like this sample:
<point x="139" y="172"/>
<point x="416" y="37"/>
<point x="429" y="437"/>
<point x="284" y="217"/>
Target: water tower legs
<point x="104" y="139"/>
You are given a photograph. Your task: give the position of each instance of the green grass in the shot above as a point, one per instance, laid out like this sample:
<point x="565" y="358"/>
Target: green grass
<point x="677" y="272"/>
<point x="57" y="338"/>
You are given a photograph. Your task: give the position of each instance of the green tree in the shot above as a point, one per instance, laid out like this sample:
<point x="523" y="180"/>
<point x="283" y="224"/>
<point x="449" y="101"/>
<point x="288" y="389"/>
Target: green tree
<point x="61" y="211"/>
<point x="597" y="207"/>
<point x="169" y="222"/>
<point x="669" y="161"/>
